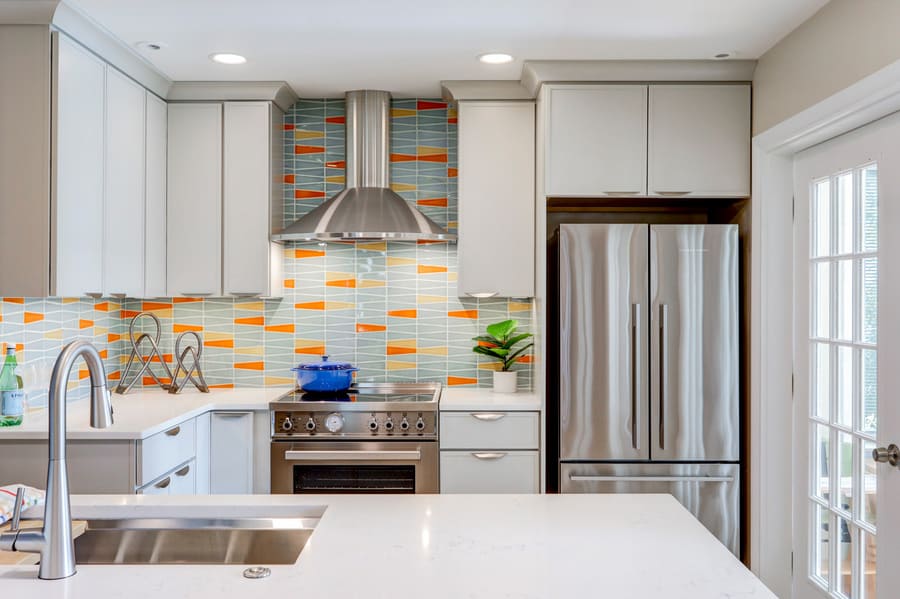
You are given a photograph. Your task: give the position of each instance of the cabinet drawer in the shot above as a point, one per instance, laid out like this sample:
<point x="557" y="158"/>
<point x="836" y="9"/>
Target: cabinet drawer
<point x="490" y="471"/>
<point x="489" y="430"/>
<point x="164" y="451"/>
<point x="184" y="480"/>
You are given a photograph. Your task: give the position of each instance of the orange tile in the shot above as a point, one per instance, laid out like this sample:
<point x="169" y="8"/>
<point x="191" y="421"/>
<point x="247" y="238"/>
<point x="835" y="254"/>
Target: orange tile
<point x="403" y="313"/>
<point x="102" y="307"/>
<point x="426" y="241"/>
<point x="288" y="126"/>
<point x="338" y="120"/>
<point x="305" y="194"/>
<point x="370" y="328"/>
<point x="280" y="328"/>
<point x="184" y="328"/>
<point x="85" y="324"/>
<point x="226" y="343"/>
<point x="289" y="283"/>
<point x="150" y="306"/>
<point x="115" y="375"/>
<point x="350" y="283"/>
<point x="33" y="317"/>
<point x="310" y="306"/>
<point x="336" y="164"/>
<point x="289" y="178"/>
<point x="463" y="314"/>
<point x="425" y="269"/>
<point x="187" y="300"/>
<point x="486" y="344"/>
<point x="432" y="158"/>
<point x="308" y="253"/>
<point x="166" y="357"/>
<point x="402" y="158"/>
<point x="83" y="373"/>
<point x="439" y="202"/>
<point x="461" y="380"/>
<point x="222" y="386"/>
<point x="128" y="313"/>
<point x="251" y="320"/>
<point x="453" y="120"/>
<point x="312" y="350"/>
<point x="397" y="350"/>
<point x="250" y="366"/>
<point x="111" y="338"/>
<point x="528" y="359"/>
<point x="429" y="105"/>
<point x="452" y="172"/>
<point x="104" y="353"/>
<point x="14" y="300"/>
<point x="309" y="149"/>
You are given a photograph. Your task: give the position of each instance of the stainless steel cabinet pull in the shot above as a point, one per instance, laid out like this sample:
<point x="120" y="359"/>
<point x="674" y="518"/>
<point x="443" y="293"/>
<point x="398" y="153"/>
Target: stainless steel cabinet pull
<point x="488" y="416"/>
<point x="231" y="414"/>
<point x="173" y="431"/>
<point x="635" y="369"/>
<point x="164" y="483"/>
<point x="663" y="335"/>
<point x="621" y="193"/>
<point x="489" y="455"/>
<point x="353" y="455"/>
<point x="672" y="193"/>
<point x="651" y="479"/>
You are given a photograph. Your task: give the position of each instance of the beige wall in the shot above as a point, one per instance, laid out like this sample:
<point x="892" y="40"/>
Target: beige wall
<point x="842" y="43"/>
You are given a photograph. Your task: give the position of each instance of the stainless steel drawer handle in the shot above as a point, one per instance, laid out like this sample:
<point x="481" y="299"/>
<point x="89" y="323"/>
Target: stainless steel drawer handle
<point x="488" y="416"/>
<point x="231" y="414"/>
<point x="621" y="193"/>
<point x="183" y="471"/>
<point x="164" y="483"/>
<point x="489" y="455"/>
<point x="672" y="193"/>
<point x="353" y="455"/>
<point x="172" y="432"/>
<point x="650" y="479"/>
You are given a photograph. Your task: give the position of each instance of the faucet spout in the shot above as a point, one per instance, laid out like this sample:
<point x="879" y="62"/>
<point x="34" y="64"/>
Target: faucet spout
<point x="54" y="542"/>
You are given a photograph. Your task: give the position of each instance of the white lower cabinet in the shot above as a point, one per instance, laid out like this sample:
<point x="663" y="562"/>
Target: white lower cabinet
<point x="231" y="453"/>
<point x="184" y="480"/>
<point x="490" y="452"/>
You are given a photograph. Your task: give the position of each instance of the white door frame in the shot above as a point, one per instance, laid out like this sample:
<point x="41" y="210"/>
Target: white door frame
<point x="771" y="308"/>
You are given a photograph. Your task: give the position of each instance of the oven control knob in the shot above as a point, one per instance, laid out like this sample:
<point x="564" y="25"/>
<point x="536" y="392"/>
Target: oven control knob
<point x="389" y="424"/>
<point x="373" y="424"/>
<point x="334" y="422"/>
<point x="288" y="424"/>
<point x="404" y="424"/>
<point x="420" y="424"/>
<point x="310" y="424"/>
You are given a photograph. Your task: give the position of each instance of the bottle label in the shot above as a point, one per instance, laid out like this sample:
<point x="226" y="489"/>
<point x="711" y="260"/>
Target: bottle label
<point x="13" y="403"/>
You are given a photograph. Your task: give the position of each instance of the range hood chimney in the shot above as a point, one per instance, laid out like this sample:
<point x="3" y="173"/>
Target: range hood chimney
<point x="367" y="208"/>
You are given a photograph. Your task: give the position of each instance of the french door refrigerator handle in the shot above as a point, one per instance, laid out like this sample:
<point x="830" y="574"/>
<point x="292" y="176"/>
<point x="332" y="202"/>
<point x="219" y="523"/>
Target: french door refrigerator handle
<point x="663" y="371"/>
<point x="635" y="369"/>
<point x="650" y="479"/>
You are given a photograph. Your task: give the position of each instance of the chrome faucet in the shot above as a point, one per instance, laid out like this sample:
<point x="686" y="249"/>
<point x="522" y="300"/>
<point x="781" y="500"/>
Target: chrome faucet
<point x="54" y="542"/>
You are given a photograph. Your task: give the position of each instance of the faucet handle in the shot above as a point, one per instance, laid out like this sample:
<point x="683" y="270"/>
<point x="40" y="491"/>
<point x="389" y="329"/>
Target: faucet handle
<point x="17" y="510"/>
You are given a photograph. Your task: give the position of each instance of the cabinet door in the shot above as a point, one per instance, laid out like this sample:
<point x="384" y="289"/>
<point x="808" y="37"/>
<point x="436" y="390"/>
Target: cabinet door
<point x="155" y="213"/>
<point x="699" y="140"/>
<point x="194" y="219"/>
<point x="596" y="140"/>
<point x="247" y="197"/>
<point x="123" y="241"/>
<point x="77" y="246"/>
<point x="496" y="199"/>
<point x="490" y="471"/>
<point x="231" y="453"/>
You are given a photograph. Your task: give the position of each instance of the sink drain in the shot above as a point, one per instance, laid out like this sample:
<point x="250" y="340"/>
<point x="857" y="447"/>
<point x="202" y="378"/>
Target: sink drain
<point x="257" y="572"/>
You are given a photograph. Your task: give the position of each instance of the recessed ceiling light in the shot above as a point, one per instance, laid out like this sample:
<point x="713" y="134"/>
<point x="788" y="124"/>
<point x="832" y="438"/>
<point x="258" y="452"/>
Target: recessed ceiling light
<point x="227" y="58"/>
<point x="724" y="55"/>
<point x="154" y="46"/>
<point x="495" y="58"/>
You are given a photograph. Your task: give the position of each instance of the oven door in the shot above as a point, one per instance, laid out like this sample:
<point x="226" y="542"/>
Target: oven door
<point x="354" y="467"/>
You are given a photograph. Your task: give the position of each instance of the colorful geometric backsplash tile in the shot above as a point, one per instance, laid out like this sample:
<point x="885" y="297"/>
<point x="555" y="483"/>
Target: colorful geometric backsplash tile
<point x="389" y="307"/>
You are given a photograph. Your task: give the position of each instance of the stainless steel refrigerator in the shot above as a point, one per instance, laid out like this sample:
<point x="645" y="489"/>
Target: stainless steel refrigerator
<point x="649" y="365"/>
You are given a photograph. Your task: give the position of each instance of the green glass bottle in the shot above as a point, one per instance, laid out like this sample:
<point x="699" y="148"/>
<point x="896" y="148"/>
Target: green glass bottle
<point x="12" y="396"/>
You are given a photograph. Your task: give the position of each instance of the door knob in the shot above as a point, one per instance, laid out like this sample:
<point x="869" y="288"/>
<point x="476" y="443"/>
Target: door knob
<point x="890" y="455"/>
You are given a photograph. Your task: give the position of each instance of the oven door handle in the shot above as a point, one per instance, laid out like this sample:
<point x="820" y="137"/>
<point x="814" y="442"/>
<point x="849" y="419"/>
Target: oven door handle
<point x="348" y="455"/>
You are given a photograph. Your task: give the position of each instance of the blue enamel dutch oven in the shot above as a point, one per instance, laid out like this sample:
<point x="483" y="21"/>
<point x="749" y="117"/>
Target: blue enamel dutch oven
<point x="324" y="376"/>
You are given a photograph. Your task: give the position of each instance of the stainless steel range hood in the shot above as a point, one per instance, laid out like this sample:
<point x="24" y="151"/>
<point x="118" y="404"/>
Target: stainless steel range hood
<point x="367" y="208"/>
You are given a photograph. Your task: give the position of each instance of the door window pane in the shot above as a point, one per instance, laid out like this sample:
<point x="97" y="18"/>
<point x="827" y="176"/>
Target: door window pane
<point x="869" y="390"/>
<point x="822" y="379"/>
<point x="822" y="302"/>
<point x="869" y="483"/>
<point x="844" y="219"/>
<point x="844" y="547"/>
<point x="821" y="233"/>
<point x="821" y="523"/>
<point x="867" y="566"/>
<point x="844" y="415"/>
<point x="844" y="496"/>
<point x="869" y="297"/>
<point x="869" y="203"/>
<point x="821" y="447"/>
<point x="845" y="298"/>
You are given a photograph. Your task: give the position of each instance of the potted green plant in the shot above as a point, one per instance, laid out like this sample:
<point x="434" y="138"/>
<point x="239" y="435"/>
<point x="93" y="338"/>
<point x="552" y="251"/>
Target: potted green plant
<point x="499" y="344"/>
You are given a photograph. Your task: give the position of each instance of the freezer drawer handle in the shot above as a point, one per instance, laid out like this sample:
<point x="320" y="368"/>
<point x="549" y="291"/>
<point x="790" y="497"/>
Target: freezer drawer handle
<point x="483" y="455"/>
<point x="651" y="479"/>
<point x="353" y="455"/>
<point x="488" y="416"/>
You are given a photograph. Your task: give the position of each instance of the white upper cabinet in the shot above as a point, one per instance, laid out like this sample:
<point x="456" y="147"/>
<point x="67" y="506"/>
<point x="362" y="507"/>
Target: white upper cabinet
<point x="155" y="197"/>
<point x="77" y="180"/>
<point x="496" y="199"/>
<point x="597" y="140"/>
<point x="699" y="140"/>
<point x="251" y="195"/>
<point x="123" y="241"/>
<point x="194" y="221"/>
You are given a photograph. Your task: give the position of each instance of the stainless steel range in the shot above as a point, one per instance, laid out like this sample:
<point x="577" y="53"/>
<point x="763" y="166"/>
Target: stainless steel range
<point x="374" y="438"/>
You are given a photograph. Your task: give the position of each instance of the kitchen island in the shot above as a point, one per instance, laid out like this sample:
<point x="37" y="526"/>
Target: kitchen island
<point x="430" y="546"/>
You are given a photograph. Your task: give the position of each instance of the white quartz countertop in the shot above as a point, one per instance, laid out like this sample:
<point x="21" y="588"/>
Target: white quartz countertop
<point x="431" y="546"/>
<point x="467" y="399"/>
<point x="140" y="414"/>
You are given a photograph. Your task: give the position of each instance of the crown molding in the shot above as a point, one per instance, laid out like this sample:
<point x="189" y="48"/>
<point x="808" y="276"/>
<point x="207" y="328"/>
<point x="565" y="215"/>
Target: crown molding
<point x="484" y="90"/>
<point x="278" y="92"/>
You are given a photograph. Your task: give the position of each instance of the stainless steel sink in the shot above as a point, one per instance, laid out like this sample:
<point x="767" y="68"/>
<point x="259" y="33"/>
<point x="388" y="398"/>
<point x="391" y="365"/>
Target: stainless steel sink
<point x="194" y="541"/>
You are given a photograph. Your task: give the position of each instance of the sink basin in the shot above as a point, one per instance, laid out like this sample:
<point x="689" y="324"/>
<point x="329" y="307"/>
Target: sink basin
<point x="193" y="541"/>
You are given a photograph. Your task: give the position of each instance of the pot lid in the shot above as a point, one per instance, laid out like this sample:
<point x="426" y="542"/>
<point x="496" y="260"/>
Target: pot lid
<point x="325" y="364"/>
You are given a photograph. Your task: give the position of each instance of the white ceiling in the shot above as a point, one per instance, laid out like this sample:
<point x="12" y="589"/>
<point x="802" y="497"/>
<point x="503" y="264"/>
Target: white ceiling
<point x="324" y="47"/>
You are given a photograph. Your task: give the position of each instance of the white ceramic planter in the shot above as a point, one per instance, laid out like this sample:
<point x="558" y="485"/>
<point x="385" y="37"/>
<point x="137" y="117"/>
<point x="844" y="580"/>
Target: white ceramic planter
<point x="505" y="382"/>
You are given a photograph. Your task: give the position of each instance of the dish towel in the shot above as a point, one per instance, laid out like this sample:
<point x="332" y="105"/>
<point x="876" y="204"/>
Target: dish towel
<point x="33" y="497"/>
